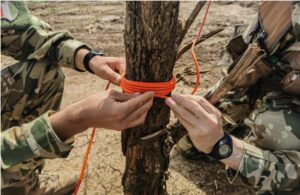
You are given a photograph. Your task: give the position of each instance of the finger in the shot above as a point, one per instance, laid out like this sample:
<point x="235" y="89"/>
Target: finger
<point x="136" y="114"/>
<point x="137" y="122"/>
<point x="204" y="103"/>
<point x="109" y="74"/>
<point x="180" y="111"/>
<point x="189" y="127"/>
<point x="121" y="97"/>
<point x="138" y="117"/>
<point x="136" y="102"/>
<point x="121" y="65"/>
<point x="191" y="105"/>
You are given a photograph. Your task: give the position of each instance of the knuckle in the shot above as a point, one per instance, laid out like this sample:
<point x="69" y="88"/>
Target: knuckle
<point x="211" y="123"/>
<point x="204" y="133"/>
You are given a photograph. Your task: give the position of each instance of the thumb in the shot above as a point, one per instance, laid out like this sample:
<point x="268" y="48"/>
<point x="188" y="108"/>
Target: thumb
<point x="111" y="75"/>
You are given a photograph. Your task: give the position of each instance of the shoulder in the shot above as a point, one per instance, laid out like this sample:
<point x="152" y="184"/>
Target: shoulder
<point x="15" y="15"/>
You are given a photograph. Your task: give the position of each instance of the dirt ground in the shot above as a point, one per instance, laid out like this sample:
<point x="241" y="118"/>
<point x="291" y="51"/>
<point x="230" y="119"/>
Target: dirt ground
<point x="101" y="25"/>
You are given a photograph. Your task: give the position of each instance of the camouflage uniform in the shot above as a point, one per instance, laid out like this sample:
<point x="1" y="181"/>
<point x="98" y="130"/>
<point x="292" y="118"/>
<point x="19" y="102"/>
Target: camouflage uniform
<point x="271" y="163"/>
<point x="31" y="91"/>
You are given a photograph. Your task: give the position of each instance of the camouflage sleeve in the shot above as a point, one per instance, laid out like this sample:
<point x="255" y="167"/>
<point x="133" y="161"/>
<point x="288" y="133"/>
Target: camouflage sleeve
<point x="38" y="42"/>
<point x="36" y="139"/>
<point x="267" y="171"/>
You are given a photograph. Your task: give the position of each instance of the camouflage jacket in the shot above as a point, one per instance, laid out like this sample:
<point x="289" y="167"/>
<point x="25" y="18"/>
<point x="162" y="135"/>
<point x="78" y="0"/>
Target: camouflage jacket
<point x="271" y="163"/>
<point x="26" y="38"/>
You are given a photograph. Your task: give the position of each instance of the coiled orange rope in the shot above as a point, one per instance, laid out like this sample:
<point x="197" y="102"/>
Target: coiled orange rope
<point x="161" y="89"/>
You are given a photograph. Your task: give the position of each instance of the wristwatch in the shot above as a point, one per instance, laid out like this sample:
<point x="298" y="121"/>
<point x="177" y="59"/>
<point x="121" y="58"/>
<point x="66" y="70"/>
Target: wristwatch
<point x="223" y="148"/>
<point x="88" y="57"/>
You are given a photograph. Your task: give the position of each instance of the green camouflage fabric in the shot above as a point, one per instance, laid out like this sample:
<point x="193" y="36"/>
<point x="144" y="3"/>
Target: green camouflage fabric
<point x="31" y="91"/>
<point x="15" y="15"/>
<point x="271" y="159"/>
<point x="296" y="19"/>
<point x="271" y="163"/>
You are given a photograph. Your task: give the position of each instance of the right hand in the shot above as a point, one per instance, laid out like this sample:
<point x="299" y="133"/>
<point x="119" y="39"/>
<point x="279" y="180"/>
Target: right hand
<point x="109" y="109"/>
<point x="115" y="110"/>
<point x="200" y="118"/>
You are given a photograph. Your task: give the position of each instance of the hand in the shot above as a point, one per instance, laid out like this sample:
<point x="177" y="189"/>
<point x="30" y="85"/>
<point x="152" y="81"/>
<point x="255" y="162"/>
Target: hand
<point x="109" y="109"/>
<point x="109" y="68"/>
<point x="115" y="110"/>
<point x="201" y="119"/>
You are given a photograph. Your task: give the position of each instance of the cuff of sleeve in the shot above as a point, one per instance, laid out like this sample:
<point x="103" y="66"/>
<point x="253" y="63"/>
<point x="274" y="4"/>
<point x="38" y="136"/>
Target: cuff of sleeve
<point x="35" y="139"/>
<point x="250" y="169"/>
<point x="67" y="51"/>
<point x="43" y="141"/>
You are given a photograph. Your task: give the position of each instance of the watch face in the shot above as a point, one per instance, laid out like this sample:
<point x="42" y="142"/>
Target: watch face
<point x="224" y="150"/>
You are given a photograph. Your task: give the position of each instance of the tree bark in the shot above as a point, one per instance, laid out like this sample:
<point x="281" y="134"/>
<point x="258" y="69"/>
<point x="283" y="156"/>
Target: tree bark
<point x="150" y="42"/>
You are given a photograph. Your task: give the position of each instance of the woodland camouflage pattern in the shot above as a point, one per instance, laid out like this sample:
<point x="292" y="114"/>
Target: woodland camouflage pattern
<point x="271" y="163"/>
<point x="31" y="91"/>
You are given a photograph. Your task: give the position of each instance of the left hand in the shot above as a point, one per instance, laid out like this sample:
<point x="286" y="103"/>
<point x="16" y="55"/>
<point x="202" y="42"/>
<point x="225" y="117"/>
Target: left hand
<point x="201" y="119"/>
<point x="109" y="68"/>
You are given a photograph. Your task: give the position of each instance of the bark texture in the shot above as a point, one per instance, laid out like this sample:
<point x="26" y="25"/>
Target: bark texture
<point x="150" y="41"/>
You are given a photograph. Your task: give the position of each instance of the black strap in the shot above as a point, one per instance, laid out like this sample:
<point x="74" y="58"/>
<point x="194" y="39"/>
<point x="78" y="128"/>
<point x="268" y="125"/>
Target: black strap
<point x="88" y="57"/>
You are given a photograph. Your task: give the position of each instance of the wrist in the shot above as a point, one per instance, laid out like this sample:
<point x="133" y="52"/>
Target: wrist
<point x="97" y="60"/>
<point x="209" y="149"/>
<point x="222" y="148"/>
<point x="78" y="116"/>
<point x="69" y="121"/>
<point x="237" y="154"/>
<point x="91" y="59"/>
<point x="79" y="56"/>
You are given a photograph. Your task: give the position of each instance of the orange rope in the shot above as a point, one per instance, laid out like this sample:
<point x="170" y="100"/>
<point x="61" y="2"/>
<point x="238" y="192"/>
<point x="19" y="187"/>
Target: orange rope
<point x="85" y="161"/>
<point x="193" y="46"/>
<point x="161" y="89"/>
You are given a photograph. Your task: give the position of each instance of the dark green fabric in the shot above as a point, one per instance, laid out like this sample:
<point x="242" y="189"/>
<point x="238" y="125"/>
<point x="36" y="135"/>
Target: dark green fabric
<point x="23" y="19"/>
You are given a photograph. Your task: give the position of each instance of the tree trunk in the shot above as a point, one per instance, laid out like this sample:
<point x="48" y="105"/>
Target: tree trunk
<point x="150" y="40"/>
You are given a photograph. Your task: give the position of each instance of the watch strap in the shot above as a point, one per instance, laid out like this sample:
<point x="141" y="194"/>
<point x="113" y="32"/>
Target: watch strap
<point x="225" y="140"/>
<point x="87" y="58"/>
<point x="82" y="47"/>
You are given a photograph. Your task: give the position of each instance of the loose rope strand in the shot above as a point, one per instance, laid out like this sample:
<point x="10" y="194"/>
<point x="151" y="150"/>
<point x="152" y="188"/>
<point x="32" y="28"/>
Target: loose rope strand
<point x="193" y="50"/>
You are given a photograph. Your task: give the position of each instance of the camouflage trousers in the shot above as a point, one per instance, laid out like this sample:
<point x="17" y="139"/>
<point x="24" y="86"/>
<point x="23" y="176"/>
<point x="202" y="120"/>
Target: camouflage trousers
<point x="273" y="165"/>
<point x="29" y="89"/>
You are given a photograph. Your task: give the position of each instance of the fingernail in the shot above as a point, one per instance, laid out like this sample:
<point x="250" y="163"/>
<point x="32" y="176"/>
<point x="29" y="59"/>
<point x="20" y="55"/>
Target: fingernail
<point x="137" y="93"/>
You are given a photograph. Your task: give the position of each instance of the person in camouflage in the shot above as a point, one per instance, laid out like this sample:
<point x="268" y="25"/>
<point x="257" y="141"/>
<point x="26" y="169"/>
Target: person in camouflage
<point x="269" y="159"/>
<point x="32" y="127"/>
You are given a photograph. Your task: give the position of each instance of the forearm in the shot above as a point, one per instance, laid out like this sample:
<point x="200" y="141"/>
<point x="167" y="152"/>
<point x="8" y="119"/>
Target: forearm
<point x="261" y="169"/>
<point x="69" y="121"/>
<point x="235" y="158"/>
